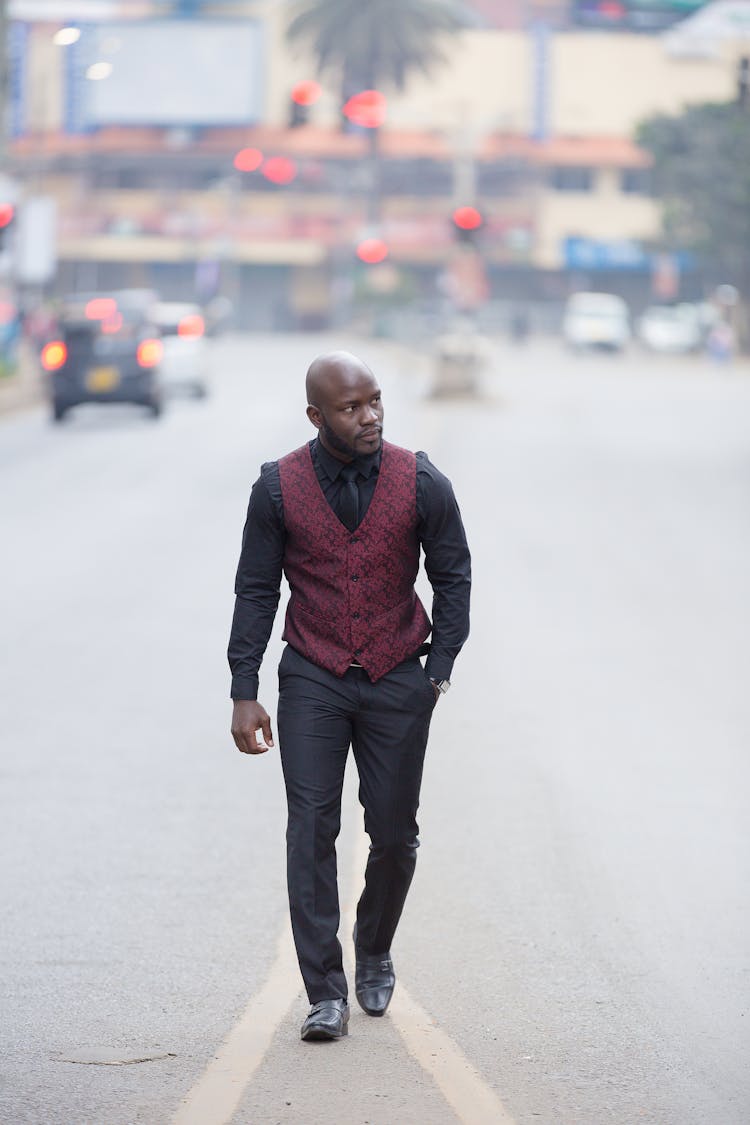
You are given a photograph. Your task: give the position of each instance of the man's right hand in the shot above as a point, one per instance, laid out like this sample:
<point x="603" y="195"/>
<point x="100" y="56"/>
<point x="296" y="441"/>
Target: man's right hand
<point x="248" y="717"/>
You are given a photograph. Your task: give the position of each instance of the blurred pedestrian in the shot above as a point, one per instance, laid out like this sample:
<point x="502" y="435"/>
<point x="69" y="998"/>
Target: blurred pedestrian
<point x="720" y="343"/>
<point x="519" y="325"/>
<point x="40" y="323"/>
<point x="344" y="517"/>
<point x="10" y="332"/>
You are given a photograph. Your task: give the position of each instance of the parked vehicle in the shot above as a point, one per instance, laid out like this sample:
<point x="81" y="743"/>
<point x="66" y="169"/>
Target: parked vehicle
<point x="596" y="320"/>
<point x="106" y="350"/>
<point x="184" y="364"/>
<point x="671" y="328"/>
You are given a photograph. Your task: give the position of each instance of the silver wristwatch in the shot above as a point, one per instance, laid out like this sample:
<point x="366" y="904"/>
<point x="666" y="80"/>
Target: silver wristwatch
<point x="441" y="685"/>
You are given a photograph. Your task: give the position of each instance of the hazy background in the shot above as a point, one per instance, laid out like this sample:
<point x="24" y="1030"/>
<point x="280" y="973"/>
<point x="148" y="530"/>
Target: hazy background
<point x="533" y="221"/>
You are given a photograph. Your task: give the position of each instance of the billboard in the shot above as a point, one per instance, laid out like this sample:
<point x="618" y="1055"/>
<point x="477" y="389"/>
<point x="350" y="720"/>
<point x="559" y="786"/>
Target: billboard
<point x="632" y="15"/>
<point x="165" y="72"/>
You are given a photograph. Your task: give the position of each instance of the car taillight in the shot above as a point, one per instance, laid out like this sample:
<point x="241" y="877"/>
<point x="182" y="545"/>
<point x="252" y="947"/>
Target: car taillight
<point x="191" y="326"/>
<point x="54" y="355"/>
<point x="149" y="353"/>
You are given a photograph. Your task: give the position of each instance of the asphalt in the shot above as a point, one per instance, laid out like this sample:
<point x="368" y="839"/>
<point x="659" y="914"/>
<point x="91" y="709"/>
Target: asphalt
<point x="577" y="928"/>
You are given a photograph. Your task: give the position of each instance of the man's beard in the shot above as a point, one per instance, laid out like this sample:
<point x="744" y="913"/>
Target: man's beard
<point x="333" y="441"/>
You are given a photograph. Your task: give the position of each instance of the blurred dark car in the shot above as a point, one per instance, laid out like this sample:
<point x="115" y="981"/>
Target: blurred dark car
<point x="107" y="350"/>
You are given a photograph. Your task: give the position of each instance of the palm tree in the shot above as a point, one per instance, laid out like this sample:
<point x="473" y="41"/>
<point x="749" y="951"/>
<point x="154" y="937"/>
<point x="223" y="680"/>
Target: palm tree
<point x="370" y="44"/>
<point x="374" y="42"/>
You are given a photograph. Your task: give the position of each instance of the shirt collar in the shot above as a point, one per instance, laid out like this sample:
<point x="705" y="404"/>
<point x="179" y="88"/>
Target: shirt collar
<point x="367" y="464"/>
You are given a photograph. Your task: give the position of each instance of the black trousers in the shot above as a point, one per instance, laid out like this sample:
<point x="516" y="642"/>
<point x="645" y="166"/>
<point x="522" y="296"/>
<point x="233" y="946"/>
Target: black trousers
<point x="386" y="723"/>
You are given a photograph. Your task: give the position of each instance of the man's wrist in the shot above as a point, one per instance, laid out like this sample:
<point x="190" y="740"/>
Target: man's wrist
<point x="244" y="687"/>
<point x="441" y="685"/>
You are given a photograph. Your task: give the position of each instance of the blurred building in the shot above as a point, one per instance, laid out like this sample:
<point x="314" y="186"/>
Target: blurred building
<point x="135" y="128"/>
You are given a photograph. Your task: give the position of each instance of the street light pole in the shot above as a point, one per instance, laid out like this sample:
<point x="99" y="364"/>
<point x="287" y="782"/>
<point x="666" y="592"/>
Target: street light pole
<point x="374" y="184"/>
<point x="743" y="82"/>
<point x="4" y="81"/>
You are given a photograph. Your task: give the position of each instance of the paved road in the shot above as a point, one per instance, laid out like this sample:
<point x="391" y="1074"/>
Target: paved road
<point x="578" y="927"/>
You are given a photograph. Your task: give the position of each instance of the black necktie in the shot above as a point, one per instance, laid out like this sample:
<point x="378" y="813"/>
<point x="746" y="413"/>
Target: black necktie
<point x="349" y="497"/>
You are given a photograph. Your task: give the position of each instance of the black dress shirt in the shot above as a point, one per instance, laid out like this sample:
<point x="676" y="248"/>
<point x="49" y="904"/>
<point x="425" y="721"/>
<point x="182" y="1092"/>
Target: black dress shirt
<point x="257" y="587"/>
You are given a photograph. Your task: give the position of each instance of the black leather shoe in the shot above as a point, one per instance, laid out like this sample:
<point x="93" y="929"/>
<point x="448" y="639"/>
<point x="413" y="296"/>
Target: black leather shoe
<point x="328" y="1019"/>
<point x="374" y="980"/>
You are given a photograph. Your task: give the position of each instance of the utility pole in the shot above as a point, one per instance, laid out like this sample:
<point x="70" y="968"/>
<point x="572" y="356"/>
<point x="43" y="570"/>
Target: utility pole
<point x="743" y="81"/>
<point x="4" y="82"/>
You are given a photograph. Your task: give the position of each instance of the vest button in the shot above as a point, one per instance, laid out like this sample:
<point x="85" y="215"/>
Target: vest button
<point x="355" y="617"/>
<point x="354" y="540"/>
<point x="358" y="652"/>
<point x="355" y="578"/>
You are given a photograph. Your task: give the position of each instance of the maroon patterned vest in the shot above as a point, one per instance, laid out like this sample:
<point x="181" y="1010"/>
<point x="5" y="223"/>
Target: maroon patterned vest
<point x="352" y="592"/>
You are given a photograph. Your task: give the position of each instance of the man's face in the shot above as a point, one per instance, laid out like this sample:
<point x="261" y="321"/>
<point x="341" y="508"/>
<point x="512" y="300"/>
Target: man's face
<point x="350" y="413"/>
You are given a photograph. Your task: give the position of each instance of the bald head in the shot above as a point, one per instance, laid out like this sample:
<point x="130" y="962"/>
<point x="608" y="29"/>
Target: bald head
<point x="344" y="404"/>
<point x="332" y="374"/>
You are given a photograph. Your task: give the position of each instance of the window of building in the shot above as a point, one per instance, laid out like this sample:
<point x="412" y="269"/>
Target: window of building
<point x="572" y="178"/>
<point x="503" y="179"/>
<point x="416" y="177"/>
<point x="636" y="181"/>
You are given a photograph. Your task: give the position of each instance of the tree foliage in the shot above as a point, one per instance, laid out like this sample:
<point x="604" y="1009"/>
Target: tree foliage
<point x="702" y="175"/>
<point x="374" y="43"/>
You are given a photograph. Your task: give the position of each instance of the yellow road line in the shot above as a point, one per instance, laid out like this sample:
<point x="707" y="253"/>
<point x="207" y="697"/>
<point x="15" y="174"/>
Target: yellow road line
<point x="214" y="1098"/>
<point x="473" y="1101"/>
<point x="462" y="1086"/>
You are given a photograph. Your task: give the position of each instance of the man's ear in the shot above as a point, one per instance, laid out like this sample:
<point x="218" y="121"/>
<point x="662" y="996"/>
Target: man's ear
<point x="313" y="413"/>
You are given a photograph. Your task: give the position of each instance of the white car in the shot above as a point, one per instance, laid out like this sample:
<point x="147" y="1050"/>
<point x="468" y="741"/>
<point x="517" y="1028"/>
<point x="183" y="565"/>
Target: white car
<point x="596" y="320"/>
<point x="671" y="328"/>
<point x="184" y="363"/>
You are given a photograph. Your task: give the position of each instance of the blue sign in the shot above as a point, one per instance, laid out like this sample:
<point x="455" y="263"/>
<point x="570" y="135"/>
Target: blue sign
<point x="623" y="254"/>
<point x="78" y="57"/>
<point x="540" y="39"/>
<point x="18" y="37"/>
<point x="617" y="254"/>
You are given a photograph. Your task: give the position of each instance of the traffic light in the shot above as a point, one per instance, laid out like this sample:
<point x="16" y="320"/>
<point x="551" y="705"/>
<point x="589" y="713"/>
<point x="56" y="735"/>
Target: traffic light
<point x="279" y="170"/>
<point x="366" y="109"/>
<point x="303" y="95"/>
<point x="467" y="223"/>
<point x="298" y="114"/>
<point x="7" y="215"/>
<point x="371" y="251"/>
<point x="248" y="160"/>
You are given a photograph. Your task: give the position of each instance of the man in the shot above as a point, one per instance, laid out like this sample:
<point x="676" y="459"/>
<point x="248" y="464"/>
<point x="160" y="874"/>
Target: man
<point x="344" y="517"/>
